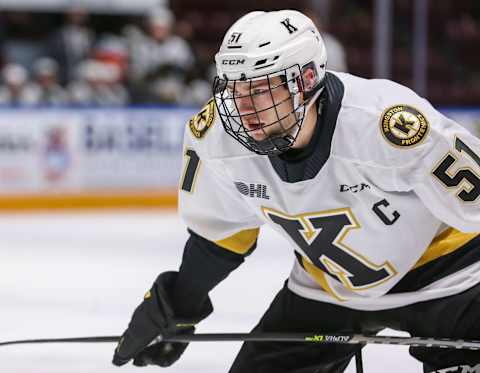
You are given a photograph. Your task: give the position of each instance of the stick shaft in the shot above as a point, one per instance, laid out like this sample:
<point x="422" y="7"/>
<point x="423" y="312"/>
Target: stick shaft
<point x="331" y="338"/>
<point x="359" y="361"/>
<point x="99" y="339"/>
<point x="280" y="337"/>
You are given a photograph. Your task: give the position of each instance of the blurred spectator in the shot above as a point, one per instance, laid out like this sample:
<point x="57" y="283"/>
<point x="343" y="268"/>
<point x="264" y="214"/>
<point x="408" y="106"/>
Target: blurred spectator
<point x="336" y="56"/>
<point x="16" y="88"/>
<point x="156" y="55"/>
<point x="72" y="43"/>
<point x="197" y="92"/>
<point x="45" y="71"/>
<point x="167" y="89"/>
<point x="172" y="89"/>
<point x="25" y="43"/>
<point x="98" y="83"/>
<point x="112" y="49"/>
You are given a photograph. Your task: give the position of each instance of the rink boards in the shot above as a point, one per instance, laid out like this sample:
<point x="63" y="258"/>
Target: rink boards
<point x="90" y="157"/>
<point x="57" y="158"/>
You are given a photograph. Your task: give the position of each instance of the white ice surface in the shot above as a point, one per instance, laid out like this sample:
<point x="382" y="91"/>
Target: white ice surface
<point x="82" y="274"/>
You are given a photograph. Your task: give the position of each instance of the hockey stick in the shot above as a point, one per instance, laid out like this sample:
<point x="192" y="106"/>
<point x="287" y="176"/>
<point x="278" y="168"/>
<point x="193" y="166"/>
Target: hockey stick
<point x="359" y="361"/>
<point x="280" y="337"/>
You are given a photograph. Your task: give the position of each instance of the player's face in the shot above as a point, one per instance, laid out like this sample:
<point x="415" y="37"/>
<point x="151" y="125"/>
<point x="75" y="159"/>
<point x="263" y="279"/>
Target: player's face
<point x="265" y="107"/>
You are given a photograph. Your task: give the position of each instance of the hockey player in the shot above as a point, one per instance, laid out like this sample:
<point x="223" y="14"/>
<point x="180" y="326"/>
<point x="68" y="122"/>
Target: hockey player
<point x="377" y="192"/>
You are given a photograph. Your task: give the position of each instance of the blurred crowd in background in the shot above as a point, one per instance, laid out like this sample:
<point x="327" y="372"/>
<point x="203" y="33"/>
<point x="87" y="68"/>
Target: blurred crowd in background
<point x="166" y="56"/>
<point x="75" y="63"/>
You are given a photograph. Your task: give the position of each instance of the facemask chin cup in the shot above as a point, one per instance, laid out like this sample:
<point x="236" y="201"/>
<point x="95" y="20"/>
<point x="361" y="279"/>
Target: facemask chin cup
<point x="273" y="145"/>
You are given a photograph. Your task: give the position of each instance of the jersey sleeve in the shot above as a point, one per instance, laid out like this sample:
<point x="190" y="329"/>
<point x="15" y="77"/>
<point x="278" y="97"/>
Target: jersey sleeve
<point x="446" y="174"/>
<point x="209" y="203"/>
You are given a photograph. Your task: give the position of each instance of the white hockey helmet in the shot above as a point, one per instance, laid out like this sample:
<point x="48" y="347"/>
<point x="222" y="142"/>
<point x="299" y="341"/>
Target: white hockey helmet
<point x="262" y="45"/>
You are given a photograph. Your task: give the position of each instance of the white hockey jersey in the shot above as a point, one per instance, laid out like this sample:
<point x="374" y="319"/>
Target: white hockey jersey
<point x="388" y="213"/>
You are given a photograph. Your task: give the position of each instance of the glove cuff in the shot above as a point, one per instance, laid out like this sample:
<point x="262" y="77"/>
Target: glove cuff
<point x="164" y="285"/>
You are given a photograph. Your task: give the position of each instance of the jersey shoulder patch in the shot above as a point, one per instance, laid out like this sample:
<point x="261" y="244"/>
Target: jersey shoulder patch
<point x="201" y="123"/>
<point x="403" y="126"/>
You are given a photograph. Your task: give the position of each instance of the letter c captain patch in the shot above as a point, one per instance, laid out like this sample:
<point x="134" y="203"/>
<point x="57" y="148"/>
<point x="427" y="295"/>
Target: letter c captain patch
<point x="403" y="126"/>
<point x="201" y="122"/>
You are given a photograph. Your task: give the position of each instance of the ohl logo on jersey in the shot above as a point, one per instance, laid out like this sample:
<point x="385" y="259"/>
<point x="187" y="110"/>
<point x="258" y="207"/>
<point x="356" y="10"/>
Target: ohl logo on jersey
<point x="252" y="190"/>
<point x="403" y="126"/>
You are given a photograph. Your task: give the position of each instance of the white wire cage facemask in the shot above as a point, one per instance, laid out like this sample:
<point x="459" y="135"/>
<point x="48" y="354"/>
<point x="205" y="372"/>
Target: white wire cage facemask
<point x="286" y="126"/>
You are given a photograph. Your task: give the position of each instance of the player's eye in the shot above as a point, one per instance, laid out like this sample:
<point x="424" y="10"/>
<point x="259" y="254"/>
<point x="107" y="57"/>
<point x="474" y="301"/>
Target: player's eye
<point x="259" y="91"/>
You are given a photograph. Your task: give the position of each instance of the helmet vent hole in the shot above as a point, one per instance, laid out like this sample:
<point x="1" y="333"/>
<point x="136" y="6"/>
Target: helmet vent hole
<point x="260" y="62"/>
<point x="264" y="67"/>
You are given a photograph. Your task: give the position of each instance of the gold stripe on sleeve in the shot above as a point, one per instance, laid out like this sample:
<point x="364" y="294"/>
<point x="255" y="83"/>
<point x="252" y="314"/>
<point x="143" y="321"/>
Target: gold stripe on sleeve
<point x="240" y="242"/>
<point x="445" y="243"/>
<point x="320" y="277"/>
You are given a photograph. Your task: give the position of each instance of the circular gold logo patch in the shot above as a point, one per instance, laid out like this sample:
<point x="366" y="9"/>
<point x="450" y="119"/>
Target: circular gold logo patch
<point x="201" y="122"/>
<point x="403" y="125"/>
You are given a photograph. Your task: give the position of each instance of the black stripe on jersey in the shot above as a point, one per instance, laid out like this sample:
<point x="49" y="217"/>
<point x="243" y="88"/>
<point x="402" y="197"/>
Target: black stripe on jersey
<point x="304" y="164"/>
<point x="439" y="268"/>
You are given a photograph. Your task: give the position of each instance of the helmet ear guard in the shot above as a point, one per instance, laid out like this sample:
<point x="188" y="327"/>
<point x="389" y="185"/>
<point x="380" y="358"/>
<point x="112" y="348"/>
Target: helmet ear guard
<point x="311" y="80"/>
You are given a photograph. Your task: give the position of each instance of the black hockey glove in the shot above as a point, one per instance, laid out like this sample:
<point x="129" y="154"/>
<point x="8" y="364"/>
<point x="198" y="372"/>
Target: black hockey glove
<point x="155" y="317"/>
